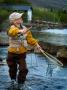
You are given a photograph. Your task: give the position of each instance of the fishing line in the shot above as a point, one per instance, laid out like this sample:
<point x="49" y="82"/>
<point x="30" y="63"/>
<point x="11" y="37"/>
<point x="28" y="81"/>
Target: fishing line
<point x="51" y="58"/>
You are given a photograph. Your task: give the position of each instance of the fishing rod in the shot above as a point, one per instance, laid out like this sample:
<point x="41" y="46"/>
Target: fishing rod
<point x="51" y="58"/>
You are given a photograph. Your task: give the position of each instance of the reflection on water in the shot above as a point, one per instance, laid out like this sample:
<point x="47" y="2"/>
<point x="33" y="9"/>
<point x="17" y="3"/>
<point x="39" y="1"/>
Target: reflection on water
<point x="42" y="75"/>
<point x="54" y="36"/>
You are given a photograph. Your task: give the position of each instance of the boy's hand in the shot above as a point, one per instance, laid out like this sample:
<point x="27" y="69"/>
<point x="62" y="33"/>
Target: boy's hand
<point x="24" y="31"/>
<point x="38" y="47"/>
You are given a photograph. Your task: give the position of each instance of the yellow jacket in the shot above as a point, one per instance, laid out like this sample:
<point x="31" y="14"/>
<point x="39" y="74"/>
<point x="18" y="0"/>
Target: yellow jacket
<point x="13" y="32"/>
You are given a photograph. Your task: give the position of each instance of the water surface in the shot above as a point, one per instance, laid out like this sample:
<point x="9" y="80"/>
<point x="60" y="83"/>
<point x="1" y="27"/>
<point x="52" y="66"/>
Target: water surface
<point x="43" y="74"/>
<point x="54" y="36"/>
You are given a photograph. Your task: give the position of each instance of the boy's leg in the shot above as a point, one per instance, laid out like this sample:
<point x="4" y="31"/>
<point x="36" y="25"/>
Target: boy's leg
<point x="12" y="66"/>
<point x="22" y="69"/>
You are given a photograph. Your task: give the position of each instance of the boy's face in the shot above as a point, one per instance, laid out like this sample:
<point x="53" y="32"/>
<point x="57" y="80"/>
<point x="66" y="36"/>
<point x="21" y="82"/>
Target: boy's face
<point x="18" y="21"/>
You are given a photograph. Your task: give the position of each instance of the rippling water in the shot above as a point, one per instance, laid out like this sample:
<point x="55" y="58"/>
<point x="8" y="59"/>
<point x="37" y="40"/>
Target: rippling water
<point x="56" y="31"/>
<point x="55" y="36"/>
<point x="42" y="75"/>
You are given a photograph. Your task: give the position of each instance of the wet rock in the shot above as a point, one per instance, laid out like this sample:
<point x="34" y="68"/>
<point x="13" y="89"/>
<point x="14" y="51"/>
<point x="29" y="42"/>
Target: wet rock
<point x="58" y="51"/>
<point x="0" y="59"/>
<point x="62" y="53"/>
<point x="48" y="47"/>
<point x="63" y="60"/>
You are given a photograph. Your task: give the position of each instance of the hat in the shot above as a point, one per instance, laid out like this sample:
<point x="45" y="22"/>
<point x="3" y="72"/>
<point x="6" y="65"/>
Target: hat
<point x="15" y="15"/>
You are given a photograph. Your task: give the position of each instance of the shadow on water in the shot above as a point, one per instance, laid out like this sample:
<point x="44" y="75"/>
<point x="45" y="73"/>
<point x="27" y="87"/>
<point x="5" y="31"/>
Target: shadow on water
<point x="42" y="75"/>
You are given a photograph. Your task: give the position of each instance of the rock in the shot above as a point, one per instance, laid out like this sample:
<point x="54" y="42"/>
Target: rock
<point x="62" y="53"/>
<point x="0" y="59"/>
<point x="58" y="51"/>
<point x="62" y="56"/>
<point x="50" y="48"/>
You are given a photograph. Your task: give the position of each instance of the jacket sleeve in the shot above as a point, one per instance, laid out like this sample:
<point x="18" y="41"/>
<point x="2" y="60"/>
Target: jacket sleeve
<point x="13" y="31"/>
<point x="30" y="40"/>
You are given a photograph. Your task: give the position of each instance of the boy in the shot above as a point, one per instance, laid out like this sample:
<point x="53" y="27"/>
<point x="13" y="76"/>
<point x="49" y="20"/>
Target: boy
<point x="18" y="35"/>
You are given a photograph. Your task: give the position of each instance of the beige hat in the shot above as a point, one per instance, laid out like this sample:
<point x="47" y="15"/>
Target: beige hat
<point x="15" y="15"/>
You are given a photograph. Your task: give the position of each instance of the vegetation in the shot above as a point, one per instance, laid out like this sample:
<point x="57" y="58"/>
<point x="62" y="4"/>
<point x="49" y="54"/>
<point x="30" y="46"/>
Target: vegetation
<point x="38" y="13"/>
<point x="45" y="14"/>
<point x="48" y="15"/>
<point x="63" y="16"/>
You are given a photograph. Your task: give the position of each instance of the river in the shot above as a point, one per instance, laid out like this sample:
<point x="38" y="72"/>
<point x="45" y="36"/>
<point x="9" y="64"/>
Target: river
<point x="43" y="74"/>
<point x="54" y="36"/>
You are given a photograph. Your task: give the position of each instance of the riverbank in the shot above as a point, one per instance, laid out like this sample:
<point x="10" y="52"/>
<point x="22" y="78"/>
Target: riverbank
<point x="59" y="51"/>
<point x="51" y="48"/>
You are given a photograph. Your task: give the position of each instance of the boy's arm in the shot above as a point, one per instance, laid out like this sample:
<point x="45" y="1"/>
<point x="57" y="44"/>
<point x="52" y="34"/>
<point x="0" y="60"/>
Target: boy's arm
<point x="24" y="30"/>
<point x="13" y="31"/>
<point x="32" y="41"/>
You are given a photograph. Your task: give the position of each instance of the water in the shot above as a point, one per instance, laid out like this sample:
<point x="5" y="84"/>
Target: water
<point x="54" y="36"/>
<point x="3" y="52"/>
<point x="42" y="75"/>
<point x="56" y="31"/>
